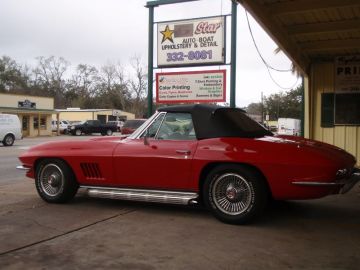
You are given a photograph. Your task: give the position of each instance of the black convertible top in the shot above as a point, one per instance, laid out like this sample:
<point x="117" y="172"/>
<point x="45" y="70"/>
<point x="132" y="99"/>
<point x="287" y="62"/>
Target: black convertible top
<point x="213" y="121"/>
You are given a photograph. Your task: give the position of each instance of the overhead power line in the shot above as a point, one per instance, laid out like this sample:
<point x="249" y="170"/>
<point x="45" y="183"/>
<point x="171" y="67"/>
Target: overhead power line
<point x="267" y="65"/>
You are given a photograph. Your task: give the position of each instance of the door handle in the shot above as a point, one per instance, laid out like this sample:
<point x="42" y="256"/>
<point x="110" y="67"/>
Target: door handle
<point x="183" y="152"/>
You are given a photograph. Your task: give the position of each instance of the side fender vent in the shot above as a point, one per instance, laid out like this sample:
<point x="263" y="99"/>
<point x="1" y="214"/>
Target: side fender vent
<point x="91" y="171"/>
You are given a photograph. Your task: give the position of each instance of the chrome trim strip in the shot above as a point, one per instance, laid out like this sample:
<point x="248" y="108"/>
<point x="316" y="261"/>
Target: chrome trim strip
<point x="320" y="184"/>
<point x="143" y="195"/>
<point x="143" y="127"/>
<point x="23" y="168"/>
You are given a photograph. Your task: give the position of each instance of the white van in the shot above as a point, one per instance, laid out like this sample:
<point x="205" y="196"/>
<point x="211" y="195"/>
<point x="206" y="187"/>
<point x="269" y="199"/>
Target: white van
<point x="289" y="126"/>
<point x="10" y="129"/>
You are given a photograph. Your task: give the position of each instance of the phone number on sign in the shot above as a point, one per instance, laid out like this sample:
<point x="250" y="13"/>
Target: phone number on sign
<point x="192" y="55"/>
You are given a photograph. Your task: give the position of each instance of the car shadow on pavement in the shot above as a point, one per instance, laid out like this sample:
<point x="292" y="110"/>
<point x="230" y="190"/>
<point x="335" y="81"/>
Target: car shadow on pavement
<point x="334" y="213"/>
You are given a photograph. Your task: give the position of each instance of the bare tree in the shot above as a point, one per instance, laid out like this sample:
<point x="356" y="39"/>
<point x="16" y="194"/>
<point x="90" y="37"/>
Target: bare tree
<point x="113" y="86"/>
<point x="49" y="75"/>
<point x="138" y="86"/>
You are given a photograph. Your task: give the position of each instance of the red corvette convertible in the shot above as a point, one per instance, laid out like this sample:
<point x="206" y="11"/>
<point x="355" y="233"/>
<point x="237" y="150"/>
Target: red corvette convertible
<point x="190" y="154"/>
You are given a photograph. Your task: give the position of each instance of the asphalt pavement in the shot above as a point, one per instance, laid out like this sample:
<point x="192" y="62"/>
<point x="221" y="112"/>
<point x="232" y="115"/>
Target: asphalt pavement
<point x="90" y="233"/>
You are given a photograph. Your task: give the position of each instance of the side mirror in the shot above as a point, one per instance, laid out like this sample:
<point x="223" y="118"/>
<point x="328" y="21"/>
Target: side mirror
<point x="146" y="137"/>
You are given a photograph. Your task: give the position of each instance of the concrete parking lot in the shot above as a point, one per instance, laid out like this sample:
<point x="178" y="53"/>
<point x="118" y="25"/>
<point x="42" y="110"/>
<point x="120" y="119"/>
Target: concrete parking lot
<point x="97" y="233"/>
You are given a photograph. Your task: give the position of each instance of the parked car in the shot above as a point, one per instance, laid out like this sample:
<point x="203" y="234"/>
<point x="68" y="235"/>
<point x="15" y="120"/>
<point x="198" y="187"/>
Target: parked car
<point x="63" y="126"/>
<point x="118" y="124"/>
<point x="190" y="154"/>
<point x="10" y="129"/>
<point x="92" y="126"/>
<point x="131" y="125"/>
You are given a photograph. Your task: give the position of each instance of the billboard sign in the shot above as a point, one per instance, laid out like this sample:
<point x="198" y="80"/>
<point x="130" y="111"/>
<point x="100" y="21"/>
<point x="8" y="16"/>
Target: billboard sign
<point x="347" y="73"/>
<point x="190" y="87"/>
<point x="191" y="42"/>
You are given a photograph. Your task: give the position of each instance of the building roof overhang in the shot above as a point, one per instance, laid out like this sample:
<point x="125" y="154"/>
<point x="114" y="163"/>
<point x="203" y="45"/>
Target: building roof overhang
<point x="309" y="30"/>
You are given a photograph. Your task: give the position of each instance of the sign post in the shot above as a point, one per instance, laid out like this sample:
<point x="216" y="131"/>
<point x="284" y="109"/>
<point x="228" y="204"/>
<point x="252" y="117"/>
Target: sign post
<point x="191" y="43"/>
<point x="233" y="55"/>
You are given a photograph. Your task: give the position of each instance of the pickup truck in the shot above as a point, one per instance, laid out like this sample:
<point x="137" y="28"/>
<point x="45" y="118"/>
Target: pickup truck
<point x="92" y="126"/>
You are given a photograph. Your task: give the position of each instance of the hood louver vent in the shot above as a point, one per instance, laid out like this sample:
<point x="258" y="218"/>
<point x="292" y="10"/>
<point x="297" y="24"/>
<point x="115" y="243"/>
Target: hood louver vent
<point x="91" y="171"/>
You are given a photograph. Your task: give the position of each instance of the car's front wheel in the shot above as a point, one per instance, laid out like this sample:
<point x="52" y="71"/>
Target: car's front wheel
<point x="55" y="181"/>
<point x="235" y="194"/>
<point x="8" y="140"/>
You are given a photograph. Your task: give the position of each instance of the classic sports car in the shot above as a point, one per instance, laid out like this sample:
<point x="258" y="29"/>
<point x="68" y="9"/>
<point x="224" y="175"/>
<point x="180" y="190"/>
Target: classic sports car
<point x="190" y="154"/>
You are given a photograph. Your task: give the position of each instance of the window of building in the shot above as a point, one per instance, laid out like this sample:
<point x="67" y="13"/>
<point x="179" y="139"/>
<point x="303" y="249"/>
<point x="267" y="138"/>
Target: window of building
<point x="36" y="122"/>
<point x="340" y="109"/>
<point x="43" y="122"/>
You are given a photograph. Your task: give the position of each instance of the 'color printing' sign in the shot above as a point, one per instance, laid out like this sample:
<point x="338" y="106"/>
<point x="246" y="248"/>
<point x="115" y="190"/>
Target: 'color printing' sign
<point x="190" y="87"/>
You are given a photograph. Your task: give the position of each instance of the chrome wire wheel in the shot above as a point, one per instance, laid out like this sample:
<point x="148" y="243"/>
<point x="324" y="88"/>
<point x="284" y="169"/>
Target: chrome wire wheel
<point x="51" y="179"/>
<point x="232" y="194"/>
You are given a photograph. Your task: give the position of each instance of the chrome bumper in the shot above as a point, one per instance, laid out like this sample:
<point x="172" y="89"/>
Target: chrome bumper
<point x="346" y="184"/>
<point x="23" y="168"/>
<point x="351" y="182"/>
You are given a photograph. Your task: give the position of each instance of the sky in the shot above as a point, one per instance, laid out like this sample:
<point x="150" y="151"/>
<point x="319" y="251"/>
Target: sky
<point x="99" y="31"/>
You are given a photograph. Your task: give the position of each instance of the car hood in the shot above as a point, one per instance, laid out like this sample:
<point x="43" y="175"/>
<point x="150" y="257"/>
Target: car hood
<point x="68" y="148"/>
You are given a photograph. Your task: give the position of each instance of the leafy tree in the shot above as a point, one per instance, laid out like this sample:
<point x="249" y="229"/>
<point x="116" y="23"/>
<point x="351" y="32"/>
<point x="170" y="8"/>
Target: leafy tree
<point x="12" y="77"/>
<point x="254" y="108"/>
<point x="286" y="105"/>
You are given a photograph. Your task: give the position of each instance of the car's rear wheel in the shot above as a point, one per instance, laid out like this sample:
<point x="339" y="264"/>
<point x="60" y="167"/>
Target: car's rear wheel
<point x="55" y="181"/>
<point x="78" y="132"/>
<point x="8" y="140"/>
<point x="109" y="132"/>
<point x="235" y="194"/>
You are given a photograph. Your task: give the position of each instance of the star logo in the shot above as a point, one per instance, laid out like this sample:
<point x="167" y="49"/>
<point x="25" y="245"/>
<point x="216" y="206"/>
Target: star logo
<point x="167" y="34"/>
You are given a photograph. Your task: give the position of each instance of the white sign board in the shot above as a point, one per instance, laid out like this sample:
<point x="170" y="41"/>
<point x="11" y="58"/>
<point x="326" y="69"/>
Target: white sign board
<point x="116" y="112"/>
<point x="190" y="87"/>
<point x="347" y="73"/>
<point x="191" y="42"/>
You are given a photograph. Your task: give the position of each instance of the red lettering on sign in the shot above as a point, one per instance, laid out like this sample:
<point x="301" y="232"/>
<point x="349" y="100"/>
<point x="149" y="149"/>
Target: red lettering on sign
<point x="207" y="28"/>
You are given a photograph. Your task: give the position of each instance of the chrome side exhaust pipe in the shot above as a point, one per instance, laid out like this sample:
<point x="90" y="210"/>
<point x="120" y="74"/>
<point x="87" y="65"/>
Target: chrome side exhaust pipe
<point x="143" y="195"/>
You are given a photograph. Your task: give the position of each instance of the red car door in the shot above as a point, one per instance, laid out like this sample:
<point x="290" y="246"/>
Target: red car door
<point x="159" y="165"/>
<point x="163" y="159"/>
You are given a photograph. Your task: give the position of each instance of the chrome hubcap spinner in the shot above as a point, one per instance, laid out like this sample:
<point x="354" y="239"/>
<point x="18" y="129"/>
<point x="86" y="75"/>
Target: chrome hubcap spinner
<point x="232" y="194"/>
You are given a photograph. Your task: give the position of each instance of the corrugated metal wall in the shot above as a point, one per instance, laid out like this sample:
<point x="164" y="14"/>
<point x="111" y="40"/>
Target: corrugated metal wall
<point x="346" y="137"/>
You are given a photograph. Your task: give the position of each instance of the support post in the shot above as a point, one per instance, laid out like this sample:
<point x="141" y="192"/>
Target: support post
<point x="57" y="124"/>
<point x="150" y="61"/>
<point x="39" y="124"/>
<point x="302" y="108"/>
<point x="233" y="55"/>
